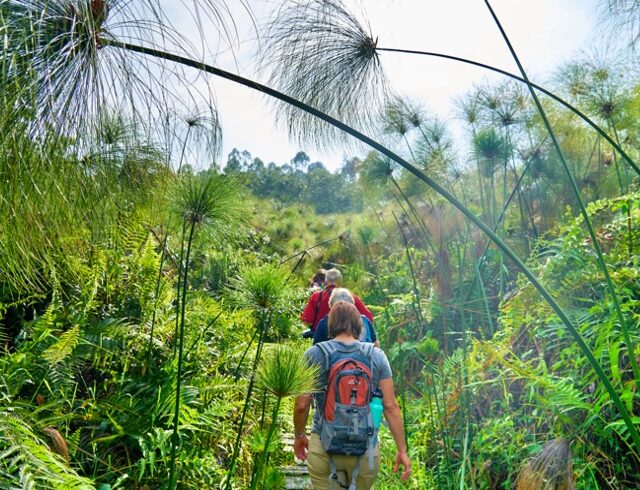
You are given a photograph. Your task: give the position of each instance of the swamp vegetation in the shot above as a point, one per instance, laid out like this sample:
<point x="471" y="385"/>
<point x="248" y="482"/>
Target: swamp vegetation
<point x="150" y="290"/>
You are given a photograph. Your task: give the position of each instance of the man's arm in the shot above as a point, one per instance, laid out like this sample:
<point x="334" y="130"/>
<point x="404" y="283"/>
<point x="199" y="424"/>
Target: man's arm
<point x="394" y="418"/>
<point x="309" y="312"/>
<point x="300" y="415"/>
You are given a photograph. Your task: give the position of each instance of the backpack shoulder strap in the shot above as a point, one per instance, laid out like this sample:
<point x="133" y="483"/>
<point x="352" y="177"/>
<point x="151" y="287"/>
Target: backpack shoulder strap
<point x="367" y="349"/>
<point x="327" y="349"/>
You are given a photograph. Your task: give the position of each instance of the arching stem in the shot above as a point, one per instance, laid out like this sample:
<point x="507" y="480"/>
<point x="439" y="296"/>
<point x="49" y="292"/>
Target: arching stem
<point x="545" y="91"/>
<point x="570" y="326"/>
<point x="583" y="209"/>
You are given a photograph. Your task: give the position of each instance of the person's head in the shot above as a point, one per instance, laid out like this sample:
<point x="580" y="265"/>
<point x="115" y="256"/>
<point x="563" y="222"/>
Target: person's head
<point x="344" y="318"/>
<point x="333" y="277"/>
<point x="340" y="294"/>
<point x="319" y="277"/>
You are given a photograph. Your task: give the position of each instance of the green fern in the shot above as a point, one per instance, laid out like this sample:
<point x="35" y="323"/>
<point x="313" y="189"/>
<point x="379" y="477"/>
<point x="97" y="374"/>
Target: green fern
<point x="27" y="462"/>
<point x="64" y="347"/>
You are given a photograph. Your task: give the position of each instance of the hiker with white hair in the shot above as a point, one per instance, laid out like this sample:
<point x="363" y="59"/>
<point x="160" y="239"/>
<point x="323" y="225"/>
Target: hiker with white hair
<point x="318" y="305"/>
<point x="322" y="329"/>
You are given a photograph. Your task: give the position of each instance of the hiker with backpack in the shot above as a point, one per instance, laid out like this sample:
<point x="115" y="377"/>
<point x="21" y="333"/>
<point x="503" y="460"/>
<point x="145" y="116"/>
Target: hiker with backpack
<point x="318" y="304"/>
<point x="322" y="329"/>
<point x="355" y="388"/>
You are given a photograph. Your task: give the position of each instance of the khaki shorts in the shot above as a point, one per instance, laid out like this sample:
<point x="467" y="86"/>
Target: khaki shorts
<point x="318" y="464"/>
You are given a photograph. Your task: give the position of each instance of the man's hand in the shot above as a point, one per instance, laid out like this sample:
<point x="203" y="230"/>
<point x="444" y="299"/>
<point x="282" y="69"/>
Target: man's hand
<point x="402" y="459"/>
<point x="301" y="447"/>
<point x="300" y="414"/>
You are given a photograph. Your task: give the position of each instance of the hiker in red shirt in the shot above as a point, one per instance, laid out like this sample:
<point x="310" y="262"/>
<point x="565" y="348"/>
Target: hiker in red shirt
<point x="318" y="304"/>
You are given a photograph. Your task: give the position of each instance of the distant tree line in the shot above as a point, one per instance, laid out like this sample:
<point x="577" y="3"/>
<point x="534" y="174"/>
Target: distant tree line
<point x="300" y="181"/>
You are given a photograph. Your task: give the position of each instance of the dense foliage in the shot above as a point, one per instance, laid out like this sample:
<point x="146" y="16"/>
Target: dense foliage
<point x="149" y="303"/>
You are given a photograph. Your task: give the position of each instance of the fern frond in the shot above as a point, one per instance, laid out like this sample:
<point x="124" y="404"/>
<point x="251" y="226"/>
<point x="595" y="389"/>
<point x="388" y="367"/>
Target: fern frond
<point x="27" y="462"/>
<point x="63" y="348"/>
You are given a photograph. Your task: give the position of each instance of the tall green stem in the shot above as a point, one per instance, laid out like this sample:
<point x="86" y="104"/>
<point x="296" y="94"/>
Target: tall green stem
<point x="176" y="416"/>
<point x="504" y="210"/>
<point x="623" y="191"/>
<point x="464" y="396"/>
<point x="413" y="216"/>
<point x="376" y="275"/>
<point x="570" y="326"/>
<point x="184" y="148"/>
<point x="416" y="291"/>
<point x="441" y="411"/>
<point x="264" y="321"/>
<point x="263" y="457"/>
<point x="155" y="302"/>
<point x="236" y="375"/>
<point x="583" y="210"/>
<point x="416" y="216"/>
<point x="181" y="271"/>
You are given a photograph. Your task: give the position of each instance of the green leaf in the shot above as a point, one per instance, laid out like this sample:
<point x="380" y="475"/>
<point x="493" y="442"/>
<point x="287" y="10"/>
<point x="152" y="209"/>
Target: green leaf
<point x="614" y="356"/>
<point x="63" y="348"/>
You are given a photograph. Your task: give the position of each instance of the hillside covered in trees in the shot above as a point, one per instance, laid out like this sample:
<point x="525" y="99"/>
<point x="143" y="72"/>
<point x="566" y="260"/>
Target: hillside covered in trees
<point x="300" y="182"/>
<point x="151" y="288"/>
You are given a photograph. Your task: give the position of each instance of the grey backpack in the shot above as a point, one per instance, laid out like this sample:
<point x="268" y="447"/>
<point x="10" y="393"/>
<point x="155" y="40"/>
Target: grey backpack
<point x="347" y="424"/>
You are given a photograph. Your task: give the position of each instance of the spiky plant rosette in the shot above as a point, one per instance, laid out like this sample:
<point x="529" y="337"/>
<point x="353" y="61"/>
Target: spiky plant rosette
<point x="435" y="150"/>
<point x="491" y="149"/>
<point x="402" y="115"/>
<point x="503" y="104"/>
<point x="414" y="113"/>
<point x="284" y="371"/>
<point x="573" y="80"/>
<point x="394" y="119"/>
<point x="600" y="82"/>
<point x="209" y="199"/>
<point x="317" y="51"/>
<point x="468" y="108"/>
<point x="193" y="135"/>
<point x="117" y="146"/>
<point x="63" y="61"/>
<point x="612" y="78"/>
<point x="377" y="169"/>
<point x="261" y="288"/>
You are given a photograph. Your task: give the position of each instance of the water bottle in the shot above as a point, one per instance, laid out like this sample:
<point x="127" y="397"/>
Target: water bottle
<point x="375" y="406"/>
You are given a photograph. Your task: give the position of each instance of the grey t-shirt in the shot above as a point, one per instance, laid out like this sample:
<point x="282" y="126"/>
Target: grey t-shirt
<point x="380" y="369"/>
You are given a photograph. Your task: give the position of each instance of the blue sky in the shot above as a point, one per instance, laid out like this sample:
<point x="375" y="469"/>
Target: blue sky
<point x="545" y="33"/>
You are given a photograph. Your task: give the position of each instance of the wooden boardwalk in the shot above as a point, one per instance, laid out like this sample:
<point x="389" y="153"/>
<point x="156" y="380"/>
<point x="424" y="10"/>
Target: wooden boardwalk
<point x="296" y="475"/>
